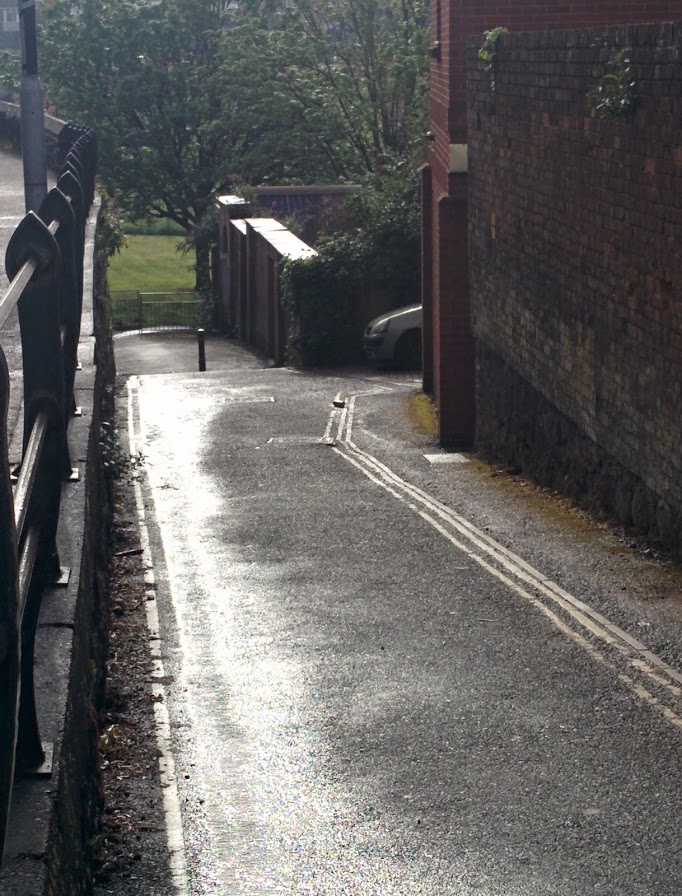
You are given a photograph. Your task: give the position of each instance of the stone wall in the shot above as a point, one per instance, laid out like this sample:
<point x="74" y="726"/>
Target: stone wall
<point x="576" y="274"/>
<point x="75" y="813"/>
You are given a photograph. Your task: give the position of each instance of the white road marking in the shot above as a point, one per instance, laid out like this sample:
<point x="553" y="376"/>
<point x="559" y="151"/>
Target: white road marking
<point x="512" y="570"/>
<point x="447" y="458"/>
<point x="169" y="784"/>
<point x="237" y="399"/>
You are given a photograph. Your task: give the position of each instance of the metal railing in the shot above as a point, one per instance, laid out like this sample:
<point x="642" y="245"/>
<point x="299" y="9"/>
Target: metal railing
<point x="44" y="262"/>
<point x="60" y="135"/>
<point x="134" y="310"/>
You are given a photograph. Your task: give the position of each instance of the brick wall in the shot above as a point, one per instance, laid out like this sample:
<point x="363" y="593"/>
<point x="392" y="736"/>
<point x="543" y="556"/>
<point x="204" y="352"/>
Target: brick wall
<point x="452" y="23"/>
<point x="576" y="270"/>
<point x="457" y="20"/>
<point x="251" y="250"/>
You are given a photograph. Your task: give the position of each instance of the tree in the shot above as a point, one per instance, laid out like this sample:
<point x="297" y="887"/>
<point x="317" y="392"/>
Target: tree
<point x="142" y="74"/>
<point x="350" y="75"/>
<point x="188" y="96"/>
<point x="10" y="75"/>
<point x="370" y="56"/>
<point x="286" y="130"/>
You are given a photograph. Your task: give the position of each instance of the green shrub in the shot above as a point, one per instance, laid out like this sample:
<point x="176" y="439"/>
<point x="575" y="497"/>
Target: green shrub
<point x="384" y="230"/>
<point x="320" y="294"/>
<point x="154" y="227"/>
<point x="377" y="246"/>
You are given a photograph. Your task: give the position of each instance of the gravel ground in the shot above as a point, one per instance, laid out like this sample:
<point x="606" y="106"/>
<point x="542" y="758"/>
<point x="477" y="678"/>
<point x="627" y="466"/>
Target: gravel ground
<point x="132" y="856"/>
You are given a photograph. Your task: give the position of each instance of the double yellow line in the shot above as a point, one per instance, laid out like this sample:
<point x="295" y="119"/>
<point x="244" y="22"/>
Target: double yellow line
<point x="646" y="675"/>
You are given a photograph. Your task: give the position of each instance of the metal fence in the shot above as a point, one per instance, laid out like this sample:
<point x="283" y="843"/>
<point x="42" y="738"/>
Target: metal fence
<point x="44" y="262"/>
<point x="134" y="310"/>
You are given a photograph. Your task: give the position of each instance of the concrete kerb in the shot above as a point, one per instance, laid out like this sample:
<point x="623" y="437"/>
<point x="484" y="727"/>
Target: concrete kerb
<point x="52" y="818"/>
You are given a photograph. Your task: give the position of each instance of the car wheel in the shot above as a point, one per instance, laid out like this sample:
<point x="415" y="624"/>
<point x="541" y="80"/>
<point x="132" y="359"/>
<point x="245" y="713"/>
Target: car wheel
<point x="408" y="350"/>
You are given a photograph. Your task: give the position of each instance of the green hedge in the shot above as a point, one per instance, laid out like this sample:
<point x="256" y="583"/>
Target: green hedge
<point x="320" y="294"/>
<point x="154" y="227"/>
<point x="378" y="248"/>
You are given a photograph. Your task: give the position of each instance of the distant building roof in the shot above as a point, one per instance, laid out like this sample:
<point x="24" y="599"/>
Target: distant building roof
<point x="284" y="202"/>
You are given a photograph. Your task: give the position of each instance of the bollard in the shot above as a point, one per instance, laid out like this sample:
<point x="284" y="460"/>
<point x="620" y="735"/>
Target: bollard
<point x="202" y="349"/>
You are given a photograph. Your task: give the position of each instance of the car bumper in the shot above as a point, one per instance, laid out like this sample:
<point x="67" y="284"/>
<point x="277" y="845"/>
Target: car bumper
<point x="373" y="346"/>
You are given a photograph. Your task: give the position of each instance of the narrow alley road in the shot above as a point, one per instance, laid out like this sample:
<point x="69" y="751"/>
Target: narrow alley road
<point x="381" y="670"/>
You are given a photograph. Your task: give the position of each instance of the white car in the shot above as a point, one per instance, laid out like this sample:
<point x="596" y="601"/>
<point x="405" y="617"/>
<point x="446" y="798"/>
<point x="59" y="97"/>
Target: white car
<point x="396" y="338"/>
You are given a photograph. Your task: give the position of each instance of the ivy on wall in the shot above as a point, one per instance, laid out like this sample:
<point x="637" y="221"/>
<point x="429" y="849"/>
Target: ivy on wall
<point x="488" y="51"/>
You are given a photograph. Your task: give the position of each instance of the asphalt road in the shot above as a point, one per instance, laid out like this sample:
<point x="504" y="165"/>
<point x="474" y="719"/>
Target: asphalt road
<point x="383" y="669"/>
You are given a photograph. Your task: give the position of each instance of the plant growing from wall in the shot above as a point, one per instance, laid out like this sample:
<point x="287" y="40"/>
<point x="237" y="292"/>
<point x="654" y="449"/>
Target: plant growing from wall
<point x="616" y="94"/>
<point x="488" y="51"/>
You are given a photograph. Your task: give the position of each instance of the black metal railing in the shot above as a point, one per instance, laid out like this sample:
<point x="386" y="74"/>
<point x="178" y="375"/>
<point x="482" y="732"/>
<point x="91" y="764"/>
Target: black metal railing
<point x="60" y="135"/>
<point x="44" y="262"/>
<point x="135" y="310"/>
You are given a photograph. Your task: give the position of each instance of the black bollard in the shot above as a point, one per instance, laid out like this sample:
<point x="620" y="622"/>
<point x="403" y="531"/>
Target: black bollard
<point x="202" y="349"/>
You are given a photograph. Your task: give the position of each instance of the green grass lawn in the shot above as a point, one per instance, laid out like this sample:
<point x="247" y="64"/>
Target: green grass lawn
<point x="151" y="264"/>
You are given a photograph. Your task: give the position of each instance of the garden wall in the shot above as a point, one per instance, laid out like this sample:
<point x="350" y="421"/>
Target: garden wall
<point x="576" y="273"/>
<point x="250" y="292"/>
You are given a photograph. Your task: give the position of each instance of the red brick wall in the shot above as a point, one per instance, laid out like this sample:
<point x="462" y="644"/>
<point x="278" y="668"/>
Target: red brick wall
<point x="462" y="18"/>
<point x="452" y="24"/>
<point x="576" y="269"/>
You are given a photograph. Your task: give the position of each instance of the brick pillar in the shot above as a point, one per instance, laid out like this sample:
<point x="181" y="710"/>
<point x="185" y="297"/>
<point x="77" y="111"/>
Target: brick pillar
<point x="427" y="278"/>
<point x="251" y="293"/>
<point x="456" y="379"/>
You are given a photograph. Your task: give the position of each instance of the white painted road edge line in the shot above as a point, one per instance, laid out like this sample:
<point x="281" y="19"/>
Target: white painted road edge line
<point x="167" y="775"/>
<point x="437" y="514"/>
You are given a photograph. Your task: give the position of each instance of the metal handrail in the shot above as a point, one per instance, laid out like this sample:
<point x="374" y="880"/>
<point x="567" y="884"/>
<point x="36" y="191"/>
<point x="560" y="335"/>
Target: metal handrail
<point x="8" y="302"/>
<point x="26" y="567"/>
<point x="44" y="262"/>
<point x="29" y="471"/>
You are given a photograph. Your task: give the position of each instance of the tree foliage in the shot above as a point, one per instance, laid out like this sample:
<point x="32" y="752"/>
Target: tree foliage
<point x="370" y="58"/>
<point x="141" y="73"/>
<point x="338" y="88"/>
<point x="190" y="96"/>
<point x="10" y="75"/>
